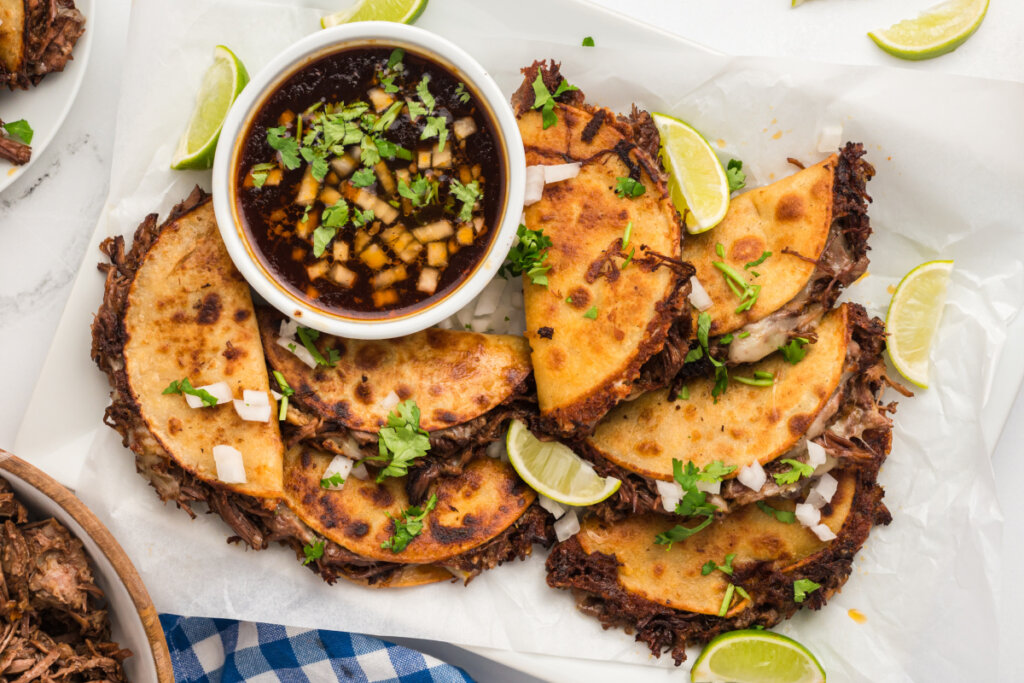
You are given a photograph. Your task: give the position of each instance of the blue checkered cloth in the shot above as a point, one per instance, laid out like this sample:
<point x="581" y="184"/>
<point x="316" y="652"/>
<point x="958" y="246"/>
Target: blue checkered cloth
<point x="227" y="651"/>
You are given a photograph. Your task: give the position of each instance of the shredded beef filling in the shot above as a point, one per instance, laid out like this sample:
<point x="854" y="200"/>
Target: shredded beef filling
<point x="52" y="28"/>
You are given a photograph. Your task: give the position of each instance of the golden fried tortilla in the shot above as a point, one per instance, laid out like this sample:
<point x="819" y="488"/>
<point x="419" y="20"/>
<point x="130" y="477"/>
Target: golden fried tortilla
<point x="674" y="578"/>
<point x="12" y="34"/>
<point x="409" y="576"/>
<point x="595" y="324"/>
<point x="747" y="423"/>
<point x="189" y="314"/>
<point x="793" y="213"/>
<point x="453" y="376"/>
<point x="471" y="509"/>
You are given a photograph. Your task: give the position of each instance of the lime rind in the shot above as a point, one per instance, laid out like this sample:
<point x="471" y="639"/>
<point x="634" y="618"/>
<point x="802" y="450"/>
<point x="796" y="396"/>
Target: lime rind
<point x="755" y="656"/>
<point x="221" y="85"/>
<point x="554" y="470"/>
<point x="695" y="170"/>
<point x="376" y="10"/>
<point x="935" y="32"/>
<point x="906" y="301"/>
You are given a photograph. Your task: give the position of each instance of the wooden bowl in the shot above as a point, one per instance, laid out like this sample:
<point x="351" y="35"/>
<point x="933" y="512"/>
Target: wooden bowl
<point x="134" y="620"/>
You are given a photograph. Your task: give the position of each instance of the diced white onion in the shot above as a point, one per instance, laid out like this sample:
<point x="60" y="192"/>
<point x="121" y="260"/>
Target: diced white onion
<point x="826" y="487"/>
<point x="830" y="137"/>
<point x="568" y="526"/>
<point x="752" y="476"/>
<point x="808" y="515"/>
<point x="339" y="465"/>
<point x="823" y="532"/>
<point x="556" y="173"/>
<point x="671" y="493"/>
<point x="359" y="472"/>
<point x="251" y="413"/>
<point x="815" y="454"/>
<point x="552" y="506"/>
<point x="698" y="295"/>
<point x="713" y="489"/>
<point x="255" y="398"/>
<point x="219" y="390"/>
<point x="534" y="185"/>
<point x="389" y="401"/>
<point x="277" y="396"/>
<point x="300" y="351"/>
<point x="229" y="463"/>
<point x="496" y="449"/>
<point x="815" y="500"/>
<point x="289" y="328"/>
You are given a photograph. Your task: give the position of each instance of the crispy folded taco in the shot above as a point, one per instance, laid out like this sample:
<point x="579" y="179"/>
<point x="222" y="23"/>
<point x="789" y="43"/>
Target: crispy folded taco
<point x="176" y="308"/>
<point x="36" y="38"/>
<point x="609" y="303"/>
<point x="481" y="518"/>
<point x="805" y="238"/>
<point x="670" y="599"/>
<point x="831" y="398"/>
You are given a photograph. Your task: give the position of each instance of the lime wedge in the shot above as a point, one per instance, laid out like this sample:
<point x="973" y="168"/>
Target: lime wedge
<point x="913" y="318"/>
<point x="552" y="469"/>
<point x="934" y="32"/>
<point x="697" y="182"/>
<point x="401" y="11"/>
<point x="221" y="84"/>
<point x="756" y="657"/>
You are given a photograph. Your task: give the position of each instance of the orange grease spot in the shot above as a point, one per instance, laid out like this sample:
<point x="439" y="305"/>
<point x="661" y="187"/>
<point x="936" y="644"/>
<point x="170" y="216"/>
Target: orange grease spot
<point x="857" y="616"/>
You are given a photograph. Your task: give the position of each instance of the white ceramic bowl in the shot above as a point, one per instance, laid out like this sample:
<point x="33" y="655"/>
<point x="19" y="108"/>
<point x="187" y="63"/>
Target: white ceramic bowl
<point x="282" y="67"/>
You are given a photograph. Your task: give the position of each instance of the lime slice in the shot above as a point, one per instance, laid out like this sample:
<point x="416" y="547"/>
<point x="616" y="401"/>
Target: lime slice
<point x="221" y="84"/>
<point x="401" y="11"/>
<point x="934" y="32"/>
<point x="913" y="318"/>
<point x="552" y="469"/>
<point x="756" y="657"/>
<point x="697" y="182"/>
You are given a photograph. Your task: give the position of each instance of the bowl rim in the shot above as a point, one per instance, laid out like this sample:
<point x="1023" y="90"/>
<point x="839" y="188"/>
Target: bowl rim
<point x="111" y="549"/>
<point x="314" y="47"/>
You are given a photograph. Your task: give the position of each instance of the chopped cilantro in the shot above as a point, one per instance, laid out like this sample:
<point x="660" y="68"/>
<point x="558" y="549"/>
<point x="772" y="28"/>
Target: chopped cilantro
<point x="726" y="600"/>
<point x="588" y="42"/>
<point x="336" y="215"/>
<point x="409" y="527"/>
<point x="784" y="516"/>
<point x="721" y="372"/>
<point x="736" y="177"/>
<point x="437" y="126"/>
<point x="401" y="441"/>
<point x="802" y="588"/>
<point x="795" y="350"/>
<point x="307" y="336"/>
<point x="796" y="470"/>
<point x="364" y="177"/>
<point x="287" y="147"/>
<point x="725" y="339"/>
<point x="322" y="236"/>
<point x="720" y="250"/>
<point x="462" y="94"/>
<point x="368" y="153"/>
<point x="334" y="480"/>
<point x="259" y="173"/>
<point x="361" y="218"/>
<point x="528" y="256"/>
<point x="751" y="264"/>
<point x="754" y="381"/>
<point x="629" y="258"/>
<point x="415" y="109"/>
<point x="388" y="117"/>
<point x="286" y="391"/>
<point x="591" y="313"/>
<point x="184" y="386"/>
<point x="725" y="568"/>
<point x="545" y="101"/>
<point x="20" y="129"/>
<point x="395" y="59"/>
<point x="627" y="234"/>
<point x="680" y="533"/>
<point x="684" y="394"/>
<point x="627" y="188"/>
<point x="423" y="90"/>
<point x="420" y="191"/>
<point x="744" y="335"/>
<point x="313" y="552"/>
<point x="388" y="83"/>
<point x="468" y="195"/>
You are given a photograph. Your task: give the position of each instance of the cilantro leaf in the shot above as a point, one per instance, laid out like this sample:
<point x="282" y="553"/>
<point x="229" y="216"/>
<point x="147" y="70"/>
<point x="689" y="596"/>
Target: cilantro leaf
<point x="751" y="264"/>
<point x="423" y="90"/>
<point x="287" y="147"/>
<point x="462" y="94"/>
<point x="409" y="527"/>
<point x="680" y="533"/>
<point x="361" y="218"/>
<point x="415" y="109"/>
<point x="322" y="236"/>
<point x="184" y="386"/>
<point x="725" y="568"/>
<point x="588" y="42"/>
<point x="795" y="350"/>
<point x="468" y="195"/>
<point x="528" y="256"/>
<point x="802" y="588"/>
<point x="591" y="313"/>
<point x="368" y="153"/>
<point x="684" y="394"/>
<point x="715" y="471"/>
<point x="545" y="101"/>
<point x="395" y="59"/>
<point x="334" y="480"/>
<point x="20" y="129"/>
<point x="318" y="160"/>
<point x="313" y="552"/>
<point x="401" y="441"/>
<point x="307" y="336"/>
<point x="736" y="177"/>
<point x="796" y="470"/>
<point x="437" y="126"/>
<point x="286" y="391"/>
<point x="364" y="177"/>
<point x="336" y="215"/>
<point x="259" y="173"/>
<point x="627" y="188"/>
<point x="420" y="191"/>
<point x="784" y="516"/>
<point x="388" y="84"/>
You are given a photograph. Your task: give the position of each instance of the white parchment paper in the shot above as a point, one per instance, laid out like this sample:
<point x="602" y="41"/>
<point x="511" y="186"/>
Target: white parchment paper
<point x="950" y="173"/>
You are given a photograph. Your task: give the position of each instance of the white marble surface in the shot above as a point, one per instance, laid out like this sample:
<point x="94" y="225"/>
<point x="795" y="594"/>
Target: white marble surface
<point x="47" y="216"/>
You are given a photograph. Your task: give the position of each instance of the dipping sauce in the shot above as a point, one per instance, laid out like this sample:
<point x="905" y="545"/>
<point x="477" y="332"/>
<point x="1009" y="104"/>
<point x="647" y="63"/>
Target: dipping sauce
<point x="370" y="183"/>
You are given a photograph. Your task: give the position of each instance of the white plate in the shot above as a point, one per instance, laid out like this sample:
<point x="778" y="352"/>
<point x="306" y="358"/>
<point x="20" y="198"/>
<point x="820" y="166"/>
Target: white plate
<point x="46" y="105"/>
